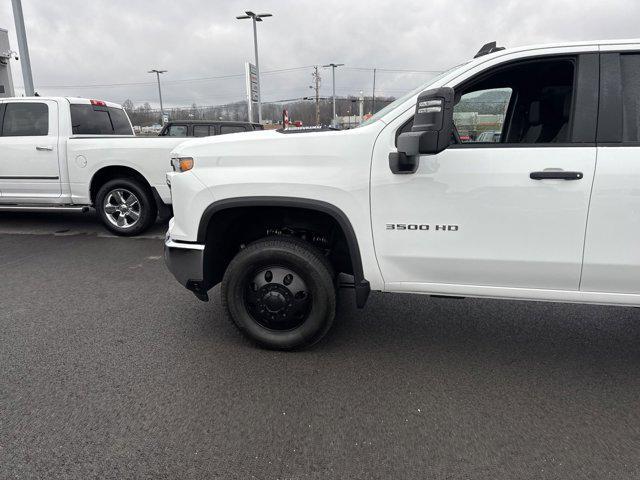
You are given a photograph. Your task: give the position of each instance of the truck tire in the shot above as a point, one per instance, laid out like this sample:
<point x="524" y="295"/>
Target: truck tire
<point x="126" y="207"/>
<point x="280" y="293"/>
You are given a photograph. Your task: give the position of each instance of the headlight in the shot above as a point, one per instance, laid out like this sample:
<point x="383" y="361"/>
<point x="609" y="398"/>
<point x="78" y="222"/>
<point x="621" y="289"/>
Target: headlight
<point x="182" y="164"/>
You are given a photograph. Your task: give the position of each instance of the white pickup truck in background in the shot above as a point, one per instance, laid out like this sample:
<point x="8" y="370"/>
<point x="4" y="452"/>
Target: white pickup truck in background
<point x="73" y="153"/>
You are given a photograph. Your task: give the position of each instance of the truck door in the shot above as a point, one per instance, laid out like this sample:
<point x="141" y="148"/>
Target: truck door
<point x="492" y="210"/>
<point x="29" y="169"/>
<point x="612" y="256"/>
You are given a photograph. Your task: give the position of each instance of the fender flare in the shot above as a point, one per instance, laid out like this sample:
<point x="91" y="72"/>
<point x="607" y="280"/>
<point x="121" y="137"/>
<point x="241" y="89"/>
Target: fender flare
<point x="361" y="285"/>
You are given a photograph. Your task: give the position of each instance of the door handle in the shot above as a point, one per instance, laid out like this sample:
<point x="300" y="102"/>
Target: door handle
<point x="47" y="148"/>
<point x="555" y="175"/>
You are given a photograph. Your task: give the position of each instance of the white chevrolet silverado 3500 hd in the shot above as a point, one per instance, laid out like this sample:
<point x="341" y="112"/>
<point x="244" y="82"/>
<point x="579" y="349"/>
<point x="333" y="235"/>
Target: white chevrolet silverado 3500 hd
<point x="61" y="154"/>
<point x="411" y="201"/>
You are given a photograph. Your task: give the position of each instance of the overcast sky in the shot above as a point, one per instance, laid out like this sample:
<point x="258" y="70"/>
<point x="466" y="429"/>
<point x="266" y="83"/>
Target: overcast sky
<point x="76" y="45"/>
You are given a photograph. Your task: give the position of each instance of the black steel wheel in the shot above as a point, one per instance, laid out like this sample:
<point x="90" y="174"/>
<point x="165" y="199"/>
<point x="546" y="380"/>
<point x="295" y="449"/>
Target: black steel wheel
<point x="277" y="298"/>
<point x="280" y="293"/>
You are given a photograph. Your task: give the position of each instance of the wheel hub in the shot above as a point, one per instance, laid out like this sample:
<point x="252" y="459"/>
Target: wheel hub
<point x="122" y="208"/>
<point x="277" y="298"/>
<point x="273" y="300"/>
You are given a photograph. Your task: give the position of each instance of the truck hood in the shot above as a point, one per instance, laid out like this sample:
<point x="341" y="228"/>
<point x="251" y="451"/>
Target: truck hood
<point x="266" y="144"/>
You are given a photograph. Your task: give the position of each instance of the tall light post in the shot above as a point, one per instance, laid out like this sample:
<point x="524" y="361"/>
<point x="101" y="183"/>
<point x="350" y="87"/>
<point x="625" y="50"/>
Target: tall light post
<point x="256" y="18"/>
<point x="158" y="72"/>
<point x="23" y="48"/>
<point x="333" y="74"/>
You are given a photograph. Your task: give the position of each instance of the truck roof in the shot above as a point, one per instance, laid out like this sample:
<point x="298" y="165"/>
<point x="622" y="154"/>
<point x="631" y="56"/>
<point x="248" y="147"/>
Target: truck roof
<point x="582" y="43"/>
<point x="71" y="100"/>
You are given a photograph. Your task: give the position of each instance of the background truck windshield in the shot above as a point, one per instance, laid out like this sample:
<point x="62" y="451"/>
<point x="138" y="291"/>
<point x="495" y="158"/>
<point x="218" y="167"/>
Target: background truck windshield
<point x="99" y="120"/>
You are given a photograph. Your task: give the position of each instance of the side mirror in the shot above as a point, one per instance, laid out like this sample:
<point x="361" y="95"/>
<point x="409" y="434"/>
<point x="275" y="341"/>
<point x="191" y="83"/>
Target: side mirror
<point x="431" y="131"/>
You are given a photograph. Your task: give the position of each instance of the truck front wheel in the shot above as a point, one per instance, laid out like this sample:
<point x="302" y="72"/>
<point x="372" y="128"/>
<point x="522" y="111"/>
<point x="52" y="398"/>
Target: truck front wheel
<point x="125" y="206"/>
<point x="280" y="293"/>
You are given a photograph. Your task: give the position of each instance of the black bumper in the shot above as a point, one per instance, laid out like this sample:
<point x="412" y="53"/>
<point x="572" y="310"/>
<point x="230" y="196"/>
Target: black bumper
<point x="185" y="261"/>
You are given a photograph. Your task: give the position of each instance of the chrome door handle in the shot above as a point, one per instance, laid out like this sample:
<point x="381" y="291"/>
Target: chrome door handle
<point x="47" y="148"/>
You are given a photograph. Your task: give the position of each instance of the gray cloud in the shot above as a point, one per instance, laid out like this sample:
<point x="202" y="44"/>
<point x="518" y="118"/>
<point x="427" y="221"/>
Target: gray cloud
<point x="98" y="42"/>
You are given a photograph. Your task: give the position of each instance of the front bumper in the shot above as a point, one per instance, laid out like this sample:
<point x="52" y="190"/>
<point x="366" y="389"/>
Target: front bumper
<point x="185" y="261"/>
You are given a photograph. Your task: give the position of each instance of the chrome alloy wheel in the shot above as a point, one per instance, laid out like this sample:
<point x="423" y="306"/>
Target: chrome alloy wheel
<point x="122" y="208"/>
<point x="277" y="298"/>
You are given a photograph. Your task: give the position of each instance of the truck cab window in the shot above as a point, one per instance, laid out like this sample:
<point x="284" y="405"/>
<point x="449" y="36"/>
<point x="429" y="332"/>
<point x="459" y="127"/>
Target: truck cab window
<point x="530" y="102"/>
<point x="26" y="120"/>
<point x="178" y="131"/>
<point x="121" y="125"/>
<point x="99" y="120"/>
<point x="630" y="73"/>
<point x="201" y="130"/>
<point x="232" y="129"/>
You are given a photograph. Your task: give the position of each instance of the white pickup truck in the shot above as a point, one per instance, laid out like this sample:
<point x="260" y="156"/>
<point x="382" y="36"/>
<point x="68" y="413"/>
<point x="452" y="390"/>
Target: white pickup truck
<point x="417" y="200"/>
<point x="72" y="153"/>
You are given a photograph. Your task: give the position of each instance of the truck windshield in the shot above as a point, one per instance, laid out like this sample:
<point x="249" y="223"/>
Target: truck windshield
<point x="99" y="120"/>
<point x="399" y="101"/>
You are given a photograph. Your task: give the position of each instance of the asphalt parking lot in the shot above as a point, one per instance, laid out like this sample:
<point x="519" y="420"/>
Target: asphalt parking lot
<point x="110" y="369"/>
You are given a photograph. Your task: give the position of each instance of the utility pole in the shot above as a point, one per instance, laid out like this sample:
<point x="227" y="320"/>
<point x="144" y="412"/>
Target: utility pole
<point x="25" y="62"/>
<point x="158" y="72"/>
<point x="333" y="74"/>
<point x="256" y="18"/>
<point x="316" y="79"/>
<point x="373" y="97"/>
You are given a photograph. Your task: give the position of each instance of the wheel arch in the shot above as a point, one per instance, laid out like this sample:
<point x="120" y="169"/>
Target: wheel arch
<point x="212" y="212"/>
<point x="104" y="174"/>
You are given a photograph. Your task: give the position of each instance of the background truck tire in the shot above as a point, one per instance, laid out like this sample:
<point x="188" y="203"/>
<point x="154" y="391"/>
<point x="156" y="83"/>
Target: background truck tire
<point x="280" y="293"/>
<point x="125" y="206"/>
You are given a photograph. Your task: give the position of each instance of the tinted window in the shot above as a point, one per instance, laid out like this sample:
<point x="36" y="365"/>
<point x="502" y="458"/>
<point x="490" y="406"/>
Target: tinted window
<point x="630" y="72"/>
<point x="201" y="130"/>
<point x="120" y="121"/>
<point x="231" y="129"/>
<point x="26" y="119"/>
<point x="178" y="131"/>
<point x="530" y="102"/>
<point x="98" y="120"/>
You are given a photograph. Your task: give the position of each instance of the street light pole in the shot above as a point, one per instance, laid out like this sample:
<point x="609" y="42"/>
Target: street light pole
<point x="25" y="61"/>
<point x="333" y="74"/>
<point x="256" y="18"/>
<point x="158" y="72"/>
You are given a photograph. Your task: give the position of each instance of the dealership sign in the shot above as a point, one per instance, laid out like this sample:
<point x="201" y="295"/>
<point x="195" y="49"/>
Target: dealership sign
<point x="251" y="73"/>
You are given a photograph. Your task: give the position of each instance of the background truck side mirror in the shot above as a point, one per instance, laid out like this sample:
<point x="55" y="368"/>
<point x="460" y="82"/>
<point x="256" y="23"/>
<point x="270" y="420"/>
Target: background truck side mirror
<point x="431" y="131"/>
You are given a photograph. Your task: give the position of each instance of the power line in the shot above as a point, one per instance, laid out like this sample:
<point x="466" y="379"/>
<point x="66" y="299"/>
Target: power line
<point x="222" y="77"/>
<point x="172" y="82"/>
<point x="392" y="70"/>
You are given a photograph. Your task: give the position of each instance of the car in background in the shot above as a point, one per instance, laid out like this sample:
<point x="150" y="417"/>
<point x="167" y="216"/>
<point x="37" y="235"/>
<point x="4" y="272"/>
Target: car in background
<point x="488" y="137"/>
<point x="205" y="128"/>
<point x="69" y="154"/>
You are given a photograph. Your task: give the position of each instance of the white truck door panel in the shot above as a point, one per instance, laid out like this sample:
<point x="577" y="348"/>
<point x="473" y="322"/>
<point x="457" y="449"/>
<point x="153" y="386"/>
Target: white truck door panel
<point x="612" y="256"/>
<point x="612" y="253"/>
<point x="473" y="216"/>
<point x="29" y="167"/>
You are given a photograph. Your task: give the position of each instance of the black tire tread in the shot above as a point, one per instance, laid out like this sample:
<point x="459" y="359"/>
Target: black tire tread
<point x="299" y="247"/>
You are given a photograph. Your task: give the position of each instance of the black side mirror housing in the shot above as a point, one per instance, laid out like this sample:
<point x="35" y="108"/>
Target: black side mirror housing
<point x="432" y="124"/>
